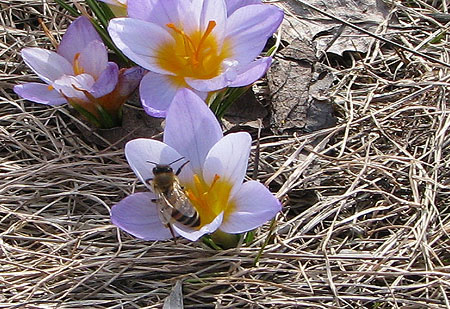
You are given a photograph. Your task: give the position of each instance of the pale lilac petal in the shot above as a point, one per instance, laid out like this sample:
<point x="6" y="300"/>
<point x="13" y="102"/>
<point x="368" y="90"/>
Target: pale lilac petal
<point x="201" y="13"/>
<point x="107" y="81"/>
<point x="233" y="5"/>
<point x="140" y="9"/>
<point x="250" y="73"/>
<point x="228" y="159"/>
<point x="48" y="65"/>
<point x="160" y="12"/>
<point x="230" y="73"/>
<point x="79" y="34"/>
<point x="139" y="40"/>
<point x="191" y="128"/>
<point x="138" y="215"/>
<point x="193" y="235"/>
<point x="71" y="86"/>
<point x="142" y="150"/>
<point x="94" y="58"/>
<point x="205" y="85"/>
<point x="39" y="93"/>
<point x="254" y="205"/>
<point x="157" y="92"/>
<point x="248" y="29"/>
<point x="129" y="80"/>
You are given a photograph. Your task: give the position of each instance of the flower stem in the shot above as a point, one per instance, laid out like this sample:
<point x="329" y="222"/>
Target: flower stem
<point x="225" y="240"/>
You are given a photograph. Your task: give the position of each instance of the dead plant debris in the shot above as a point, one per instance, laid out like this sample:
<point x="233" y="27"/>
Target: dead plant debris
<point x="366" y="217"/>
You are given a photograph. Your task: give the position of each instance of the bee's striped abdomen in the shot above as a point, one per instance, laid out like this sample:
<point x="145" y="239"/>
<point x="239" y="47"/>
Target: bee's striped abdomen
<point x="193" y="221"/>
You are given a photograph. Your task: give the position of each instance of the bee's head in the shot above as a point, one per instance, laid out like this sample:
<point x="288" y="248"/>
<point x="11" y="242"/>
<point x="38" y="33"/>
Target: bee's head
<point x="162" y="169"/>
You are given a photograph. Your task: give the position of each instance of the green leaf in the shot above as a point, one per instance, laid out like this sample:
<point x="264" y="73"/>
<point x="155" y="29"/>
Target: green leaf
<point x="266" y="241"/>
<point x="69" y="8"/>
<point x="90" y="117"/>
<point x="210" y="243"/>
<point x="231" y="96"/>
<point x="106" y="11"/>
<point x="438" y="38"/>
<point x="106" y="120"/>
<point x="249" y="237"/>
<point x="93" y="4"/>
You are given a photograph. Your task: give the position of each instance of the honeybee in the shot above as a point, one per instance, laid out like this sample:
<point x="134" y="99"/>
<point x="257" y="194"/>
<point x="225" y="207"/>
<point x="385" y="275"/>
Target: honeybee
<point x="172" y="201"/>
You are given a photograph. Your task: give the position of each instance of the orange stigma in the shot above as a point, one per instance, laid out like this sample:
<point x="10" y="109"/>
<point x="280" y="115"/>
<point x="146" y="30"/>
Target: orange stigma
<point x="77" y="68"/>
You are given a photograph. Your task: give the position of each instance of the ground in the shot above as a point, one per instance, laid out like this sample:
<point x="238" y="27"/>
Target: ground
<point x="365" y="220"/>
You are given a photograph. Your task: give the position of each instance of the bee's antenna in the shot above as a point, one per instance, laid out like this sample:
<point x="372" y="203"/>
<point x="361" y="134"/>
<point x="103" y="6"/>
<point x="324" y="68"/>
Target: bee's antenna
<point x="148" y="161"/>
<point x="175" y="160"/>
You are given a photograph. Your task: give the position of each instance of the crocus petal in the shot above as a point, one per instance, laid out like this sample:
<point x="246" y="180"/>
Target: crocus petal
<point x="107" y="81"/>
<point x="157" y="92"/>
<point x="254" y="205"/>
<point x="201" y="13"/>
<point x="94" y="58"/>
<point x="233" y="5"/>
<point x="139" y="41"/>
<point x="193" y="235"/>
<point x="206" y="85"/>
<point x="142" y="151"/>
<point x="79" y="34"/>
<point x="71" y="86"/>
<point x="138" y="215"/>
<point x="48" y="65"/>
<point x="191" y="128"/>
<point x="160" y="12"/>
<point x="248" y="29"/>
<point x="140" y="9"/>
<point x="228" y="158"/>
<point x="229" y="74"/>
<point x="40" y="93"/>
<point x="129" y="80"/>
<point x="251" y="72"/>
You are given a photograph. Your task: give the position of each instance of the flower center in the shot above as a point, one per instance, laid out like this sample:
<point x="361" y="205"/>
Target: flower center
<point x="194" y="55"/>
<point x="209" y="200"/>
<point x="77" y="68"/>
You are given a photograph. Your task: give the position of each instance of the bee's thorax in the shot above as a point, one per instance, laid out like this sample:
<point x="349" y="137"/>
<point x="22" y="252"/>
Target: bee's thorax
<point x="163" y="182"/>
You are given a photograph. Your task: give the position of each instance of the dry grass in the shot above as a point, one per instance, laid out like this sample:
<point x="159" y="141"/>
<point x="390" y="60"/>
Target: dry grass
<point x="366" y="220"/>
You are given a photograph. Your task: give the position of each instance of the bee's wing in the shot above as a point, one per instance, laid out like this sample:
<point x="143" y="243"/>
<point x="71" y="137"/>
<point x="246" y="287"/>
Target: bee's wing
<point x="164" y="207"/>
<point x="180" y="201"/>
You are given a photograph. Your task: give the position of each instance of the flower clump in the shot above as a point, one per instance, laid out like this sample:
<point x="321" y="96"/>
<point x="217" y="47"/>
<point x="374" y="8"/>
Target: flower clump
<point x="79" y="74"/>
<point x="186" y="51"/>
<point x="213" y="178"/>
<point x="203" y="45"/>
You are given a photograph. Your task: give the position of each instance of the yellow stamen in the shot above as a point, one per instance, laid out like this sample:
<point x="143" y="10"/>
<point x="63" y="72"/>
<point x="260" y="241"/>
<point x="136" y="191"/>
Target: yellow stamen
<point x="209" y="199"/>
<point x="50" y="87"/>
<point x="194" y="54"/>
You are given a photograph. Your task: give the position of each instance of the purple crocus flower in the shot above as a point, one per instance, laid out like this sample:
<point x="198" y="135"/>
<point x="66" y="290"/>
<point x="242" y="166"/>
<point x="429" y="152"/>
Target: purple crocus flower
<point x="79" y="73"/>
<point x="213" y="178"/>
<point x="203" y="45"/>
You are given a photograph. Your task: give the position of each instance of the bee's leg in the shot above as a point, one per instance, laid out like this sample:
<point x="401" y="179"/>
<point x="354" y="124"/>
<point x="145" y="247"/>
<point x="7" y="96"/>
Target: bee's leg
<point x="173" y="233"/>
<point x="181" y="167"/>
